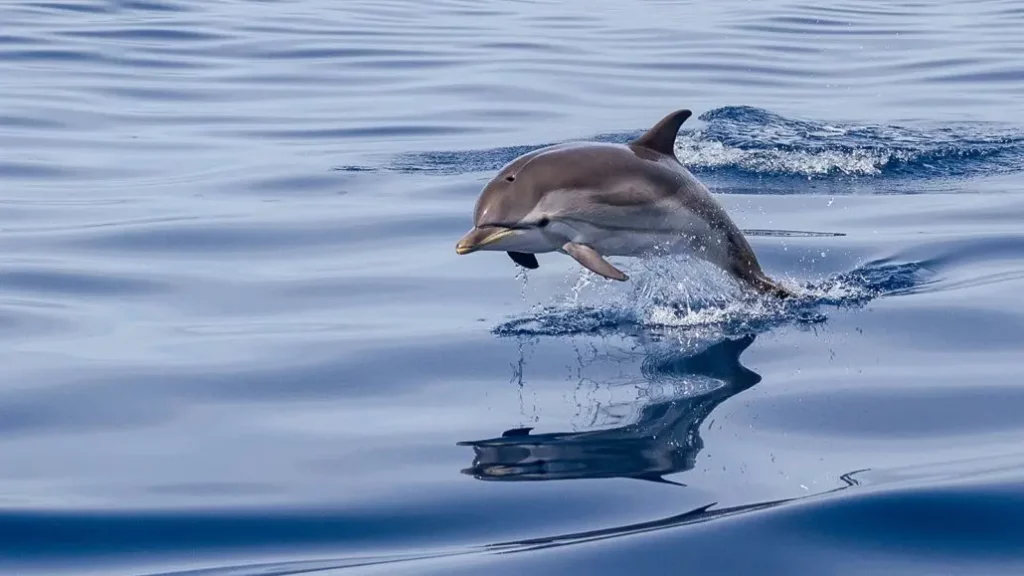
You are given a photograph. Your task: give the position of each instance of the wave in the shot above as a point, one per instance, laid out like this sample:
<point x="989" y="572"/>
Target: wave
<point x="756" y="141"/>
<point x="744" y="142"/>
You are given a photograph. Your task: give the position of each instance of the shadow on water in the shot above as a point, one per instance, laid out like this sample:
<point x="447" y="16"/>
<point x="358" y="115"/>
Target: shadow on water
<point x="664" y="439"/>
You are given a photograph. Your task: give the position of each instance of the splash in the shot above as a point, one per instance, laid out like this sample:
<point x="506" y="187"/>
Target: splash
<point x="705" y="305"/>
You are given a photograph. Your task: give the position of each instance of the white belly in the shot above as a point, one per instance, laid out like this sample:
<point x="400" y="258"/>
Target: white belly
<point x="636" y="244"/>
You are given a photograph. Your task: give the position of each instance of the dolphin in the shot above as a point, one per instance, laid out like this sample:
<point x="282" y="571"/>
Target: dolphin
<point x="590" y="200"/>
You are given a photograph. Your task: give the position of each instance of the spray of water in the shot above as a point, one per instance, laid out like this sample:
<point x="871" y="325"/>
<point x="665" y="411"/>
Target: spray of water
<point x="681" y="296"/>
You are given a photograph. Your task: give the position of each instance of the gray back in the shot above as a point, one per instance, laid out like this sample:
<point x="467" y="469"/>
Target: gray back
<point x="624" y="178"/>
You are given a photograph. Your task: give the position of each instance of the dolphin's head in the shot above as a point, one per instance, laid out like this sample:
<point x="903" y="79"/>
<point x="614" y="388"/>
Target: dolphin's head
<point x="509" y="214"/>
<point x="527" y="205"/>
<point x="554" y="195"/>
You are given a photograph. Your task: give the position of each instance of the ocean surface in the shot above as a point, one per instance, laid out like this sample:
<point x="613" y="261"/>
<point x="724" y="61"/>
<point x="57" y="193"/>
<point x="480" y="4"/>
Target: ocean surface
<point x="236" y="339"/>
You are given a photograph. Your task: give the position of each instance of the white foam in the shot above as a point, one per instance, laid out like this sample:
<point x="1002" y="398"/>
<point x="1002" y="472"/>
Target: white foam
<point x="684" y="299"/>
<point x="696" y="151"/>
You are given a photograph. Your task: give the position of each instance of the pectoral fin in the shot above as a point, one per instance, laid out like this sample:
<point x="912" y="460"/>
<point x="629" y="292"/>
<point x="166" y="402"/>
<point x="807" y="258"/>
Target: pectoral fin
<point x="593" y="261"/>
<point x="525" y="260"/>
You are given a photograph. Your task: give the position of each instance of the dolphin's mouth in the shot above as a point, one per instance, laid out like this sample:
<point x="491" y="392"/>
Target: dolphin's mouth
<point x="477" y="238"/>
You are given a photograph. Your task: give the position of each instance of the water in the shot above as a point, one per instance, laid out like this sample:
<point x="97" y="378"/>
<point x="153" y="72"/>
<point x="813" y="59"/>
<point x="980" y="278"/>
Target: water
<point x="237" y="339"/>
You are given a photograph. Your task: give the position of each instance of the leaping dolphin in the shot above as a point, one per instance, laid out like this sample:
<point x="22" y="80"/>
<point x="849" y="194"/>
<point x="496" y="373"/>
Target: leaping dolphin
<point x="590" y="200"/>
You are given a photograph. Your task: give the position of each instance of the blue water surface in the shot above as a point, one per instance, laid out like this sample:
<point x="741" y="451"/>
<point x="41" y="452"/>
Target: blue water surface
<point x="237" y="340"/>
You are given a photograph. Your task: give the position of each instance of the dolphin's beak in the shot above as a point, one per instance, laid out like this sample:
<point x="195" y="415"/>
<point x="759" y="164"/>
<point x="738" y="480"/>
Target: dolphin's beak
<point x="479" y="237"/>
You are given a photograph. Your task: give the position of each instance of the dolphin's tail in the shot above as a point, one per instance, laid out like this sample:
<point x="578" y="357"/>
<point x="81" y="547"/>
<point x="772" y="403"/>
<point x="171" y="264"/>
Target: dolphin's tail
<point x="744" y="265"/>
<point x="756" y="279"/>
<point x="765" y="285"/>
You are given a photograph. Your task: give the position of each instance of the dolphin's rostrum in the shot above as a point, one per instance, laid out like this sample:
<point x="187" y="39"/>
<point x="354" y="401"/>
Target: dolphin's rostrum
<point x="593" y="199"/>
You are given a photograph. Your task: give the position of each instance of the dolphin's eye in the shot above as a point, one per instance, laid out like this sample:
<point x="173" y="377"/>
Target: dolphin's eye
<point x="510" y="178"/>
<point x="543" y="221"/>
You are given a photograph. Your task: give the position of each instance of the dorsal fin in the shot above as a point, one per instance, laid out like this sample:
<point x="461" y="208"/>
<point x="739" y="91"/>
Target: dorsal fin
<point x="662" y="137"/>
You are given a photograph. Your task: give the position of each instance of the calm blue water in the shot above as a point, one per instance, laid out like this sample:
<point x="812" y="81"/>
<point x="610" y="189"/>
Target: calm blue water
<point x="237" y="340"/>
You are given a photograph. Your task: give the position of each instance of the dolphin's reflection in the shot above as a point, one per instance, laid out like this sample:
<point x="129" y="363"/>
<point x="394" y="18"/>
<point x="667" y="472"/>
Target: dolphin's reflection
<point x="663" y="440"/>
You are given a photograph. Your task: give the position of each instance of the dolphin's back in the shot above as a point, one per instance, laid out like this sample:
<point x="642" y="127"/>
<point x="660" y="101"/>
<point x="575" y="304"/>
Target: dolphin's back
<point x="638" y="188"/>
<point x="620" y="177"/>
